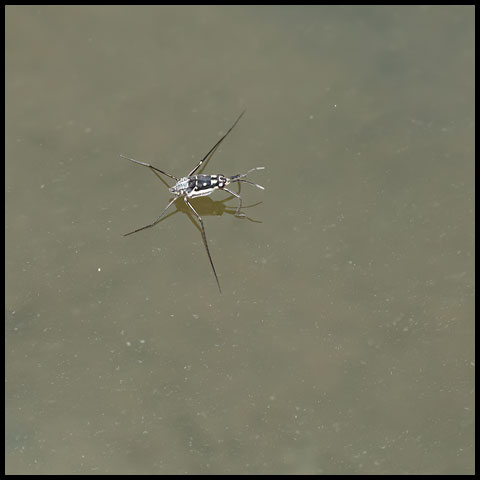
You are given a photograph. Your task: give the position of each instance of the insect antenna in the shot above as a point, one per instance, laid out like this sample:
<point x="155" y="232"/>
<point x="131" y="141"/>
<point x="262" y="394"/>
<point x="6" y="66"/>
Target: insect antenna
<point x="240" y="178"/>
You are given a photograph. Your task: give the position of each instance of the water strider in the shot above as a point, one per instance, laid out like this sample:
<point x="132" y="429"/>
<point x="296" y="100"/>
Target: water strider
<point x="200" y="185"/>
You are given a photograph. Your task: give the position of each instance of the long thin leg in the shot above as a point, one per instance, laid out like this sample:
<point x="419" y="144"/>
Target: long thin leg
<point x="212" y="150"/>
<point x="237" y="213"/>
<point x="204" y="241"/>
<point x="150" y="166"/>
<point x="155" y="222"/>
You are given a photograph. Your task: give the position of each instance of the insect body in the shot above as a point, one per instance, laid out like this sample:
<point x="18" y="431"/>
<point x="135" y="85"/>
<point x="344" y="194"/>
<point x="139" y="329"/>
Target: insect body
<point x="200" y="185"/>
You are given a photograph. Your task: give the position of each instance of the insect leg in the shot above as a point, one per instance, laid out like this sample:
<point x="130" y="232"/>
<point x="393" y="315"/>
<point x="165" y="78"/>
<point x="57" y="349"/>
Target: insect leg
<point x="150" y="166"/>
<point x="237" y="213"/>
<point x="212" y="150"/>
<point x="156" y="221"/>
<point x="204" y="241"/>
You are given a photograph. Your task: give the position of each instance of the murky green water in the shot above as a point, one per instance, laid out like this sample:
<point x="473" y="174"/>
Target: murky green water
<point x="343" y="341"/>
